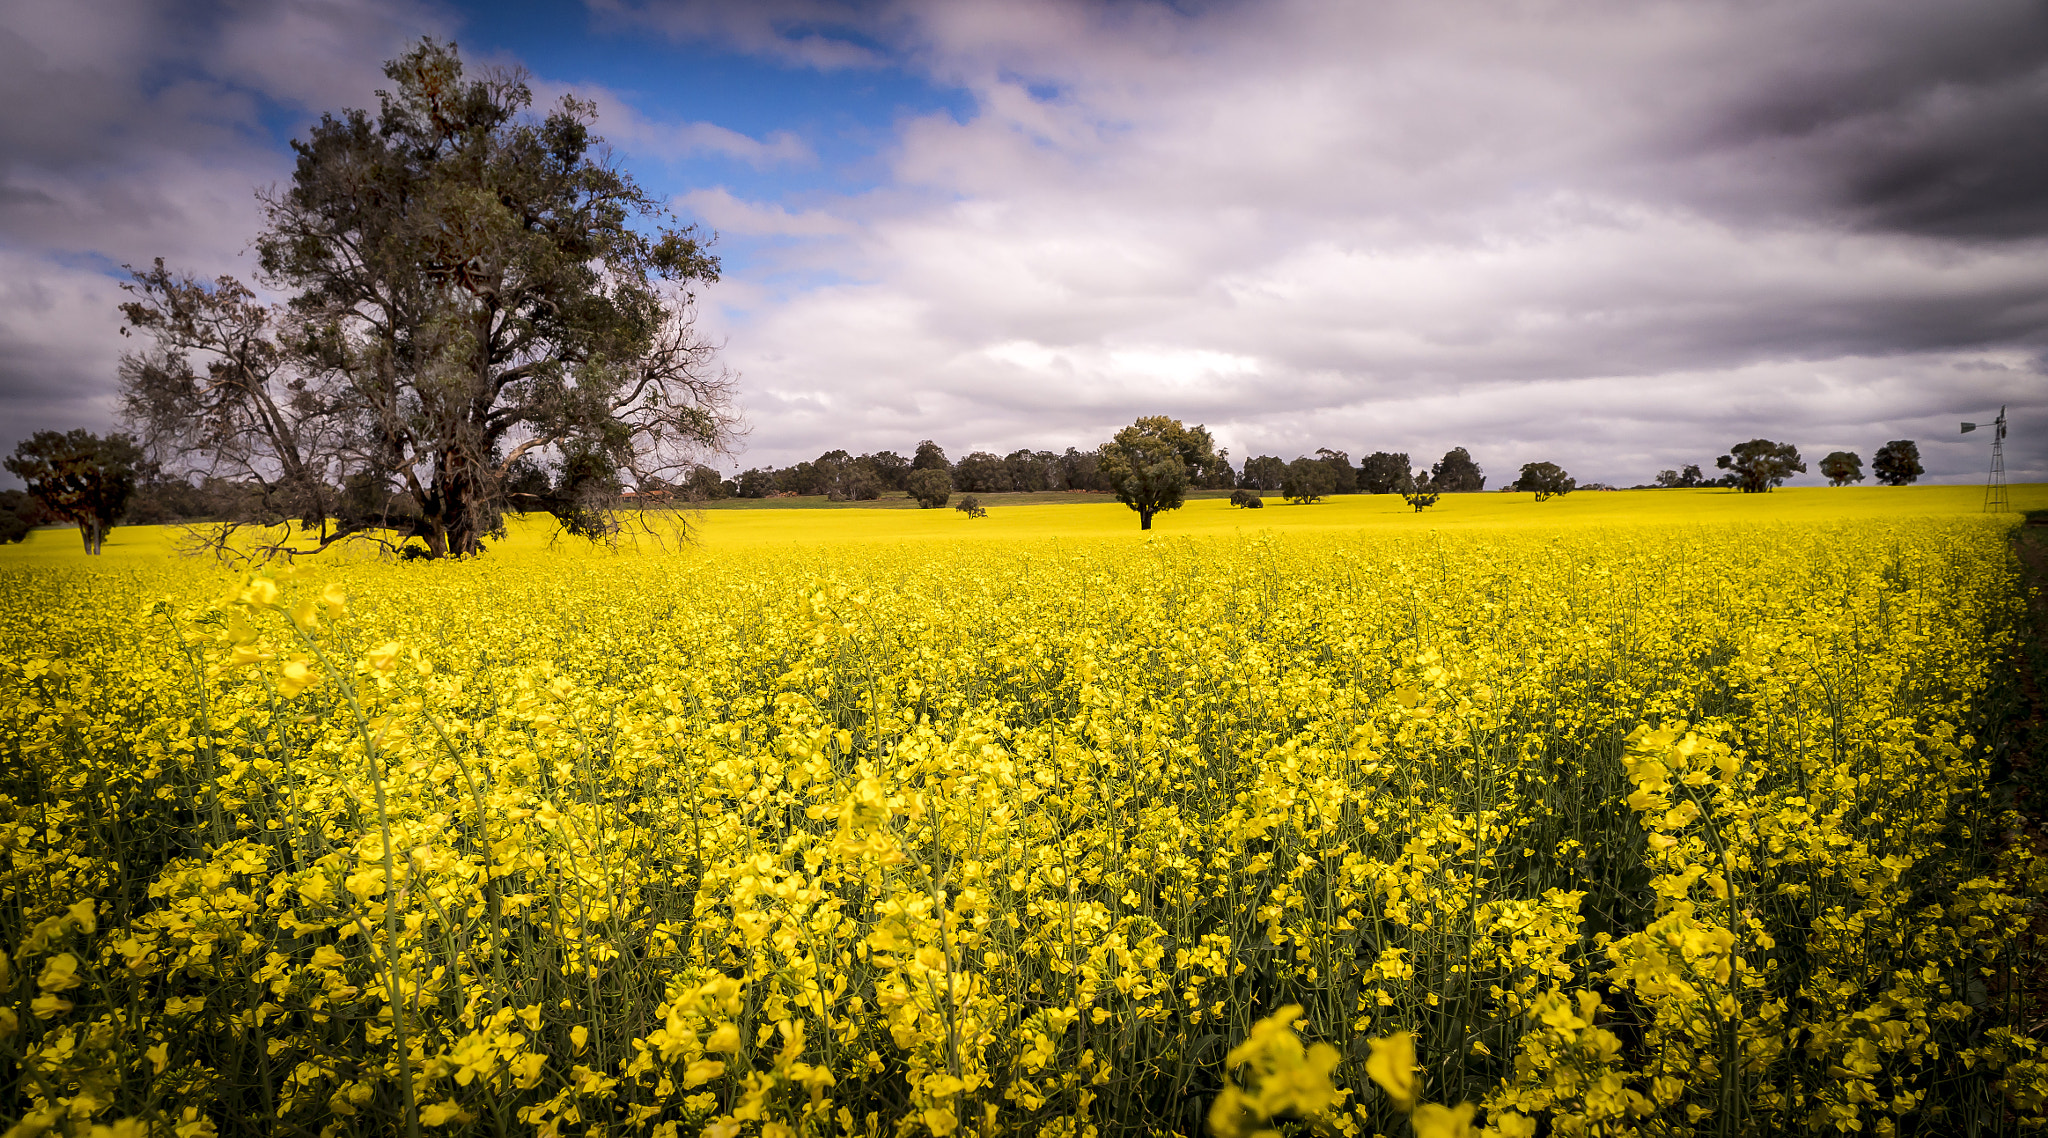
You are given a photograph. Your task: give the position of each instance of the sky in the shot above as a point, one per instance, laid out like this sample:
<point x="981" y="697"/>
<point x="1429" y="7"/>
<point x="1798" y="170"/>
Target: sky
<point x="1618" y="235"/>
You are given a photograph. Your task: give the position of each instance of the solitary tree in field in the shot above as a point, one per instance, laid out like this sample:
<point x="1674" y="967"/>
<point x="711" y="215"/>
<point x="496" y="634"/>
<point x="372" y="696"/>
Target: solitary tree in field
<point x="79" y="477"/>
<point x="1898" y="463"/>
<point x="1760" y="465"/>
<point x="1842" y="467"/>
<point x="1308" y="480"/>
<point x="470" y="285"/>
<point x="1688" y="478"/>
<point x="1420" y="492"/>
<point x="1545" y="480"/>
<point x="1456" y="473"/>
<point x="1147" y="464"/>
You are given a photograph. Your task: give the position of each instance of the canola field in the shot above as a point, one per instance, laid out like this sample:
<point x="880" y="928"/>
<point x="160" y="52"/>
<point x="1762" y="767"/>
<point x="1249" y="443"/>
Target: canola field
<point x="1648" y="815"/>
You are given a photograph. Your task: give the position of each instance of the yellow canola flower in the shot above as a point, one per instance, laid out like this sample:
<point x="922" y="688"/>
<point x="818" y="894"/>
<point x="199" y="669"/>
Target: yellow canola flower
<point x="60" y="974"/>
<point x="443" y="1113"/>
<point x="1514" y="1124"/>
<point x="725" y="1038"/>
<point x="1433" y="1120"/>
<point x="262" y="592"/>
<point x="1392" y="1065"/>
<point x="48" y="1006"/>
<point x="1284" y="1078"/>
<point x="293" y="678"/>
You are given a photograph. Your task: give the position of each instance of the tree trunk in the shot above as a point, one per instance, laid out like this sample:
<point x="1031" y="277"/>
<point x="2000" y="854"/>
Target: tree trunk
<point x="1144" y="519"/>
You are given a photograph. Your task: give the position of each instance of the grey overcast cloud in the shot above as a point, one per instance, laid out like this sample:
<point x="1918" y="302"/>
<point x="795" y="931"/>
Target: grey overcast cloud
<point x="1620" y="236"/>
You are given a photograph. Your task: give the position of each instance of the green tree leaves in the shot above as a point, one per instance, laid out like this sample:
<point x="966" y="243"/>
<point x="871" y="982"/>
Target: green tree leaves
<point x="79" y="477"/>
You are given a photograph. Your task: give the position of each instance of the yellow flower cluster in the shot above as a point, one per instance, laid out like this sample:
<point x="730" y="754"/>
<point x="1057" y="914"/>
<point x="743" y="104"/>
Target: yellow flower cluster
<point x="1656" y="833"/>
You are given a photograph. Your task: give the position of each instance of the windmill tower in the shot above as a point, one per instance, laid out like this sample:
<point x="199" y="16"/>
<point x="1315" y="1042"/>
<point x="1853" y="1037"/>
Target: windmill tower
<point x="1994" y="487"/>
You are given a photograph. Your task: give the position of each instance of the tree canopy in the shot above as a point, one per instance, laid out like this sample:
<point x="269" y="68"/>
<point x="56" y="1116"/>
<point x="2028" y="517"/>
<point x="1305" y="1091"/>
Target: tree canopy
<point x="1842" y="467"/>
<point x="1264" y="473"/>
<point x="1456" y="473"/>
<point x="79" y="477"/>
<point x="1308" y="480"/>
<point x="1147" y="464"/>
<point x="1688" y="478"/>
<point x="1546" y="480"/>
<point x="470" y="286"/>
<point x="1382" y="472"/>
<point x="1898" y="463"/>
<point x="1761" y="465"/>
<point x="1420" y="493"/>
<point x="931" y="487"/>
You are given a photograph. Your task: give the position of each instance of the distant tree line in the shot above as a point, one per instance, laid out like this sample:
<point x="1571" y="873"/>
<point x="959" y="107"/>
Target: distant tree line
<point x="842" y="476"/>
<point x="1760" y="465"/>
<point x="97" y="483"/>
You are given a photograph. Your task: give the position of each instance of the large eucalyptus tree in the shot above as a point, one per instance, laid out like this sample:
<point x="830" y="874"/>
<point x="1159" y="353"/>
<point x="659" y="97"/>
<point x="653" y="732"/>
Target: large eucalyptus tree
<point x="472" y="289"/>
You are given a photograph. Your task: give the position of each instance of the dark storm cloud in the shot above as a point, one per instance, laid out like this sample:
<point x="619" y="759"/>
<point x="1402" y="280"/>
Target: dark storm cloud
<point x="1916" y="118"/>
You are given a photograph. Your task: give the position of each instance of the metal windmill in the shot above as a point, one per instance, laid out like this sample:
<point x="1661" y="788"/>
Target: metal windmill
<point x="1994" y="488"/>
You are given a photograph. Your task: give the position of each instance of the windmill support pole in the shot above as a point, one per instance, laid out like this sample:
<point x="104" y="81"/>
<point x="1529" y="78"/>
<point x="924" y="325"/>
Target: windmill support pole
<point x="1995" y="501"/>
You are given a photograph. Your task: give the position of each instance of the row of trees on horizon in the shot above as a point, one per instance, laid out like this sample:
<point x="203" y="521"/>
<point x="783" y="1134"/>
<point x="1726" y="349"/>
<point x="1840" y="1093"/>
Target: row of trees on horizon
<point x="97" y="483"/>
<point x="841" y="476"/>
